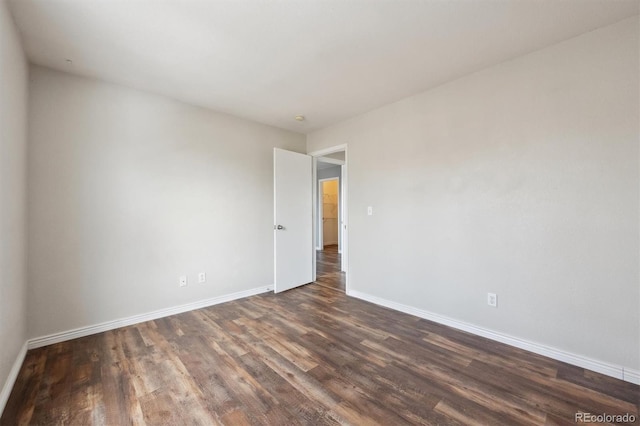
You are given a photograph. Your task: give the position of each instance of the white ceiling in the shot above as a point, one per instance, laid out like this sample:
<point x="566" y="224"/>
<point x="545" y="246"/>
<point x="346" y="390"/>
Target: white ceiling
<point x="268" y="60"/>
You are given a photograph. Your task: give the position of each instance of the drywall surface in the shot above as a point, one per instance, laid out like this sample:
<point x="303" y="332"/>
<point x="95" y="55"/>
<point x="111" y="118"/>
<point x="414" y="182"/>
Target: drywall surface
<point x="520" y="180"/>
<point x="129" y="191"/>
<point x="13" y="186"/>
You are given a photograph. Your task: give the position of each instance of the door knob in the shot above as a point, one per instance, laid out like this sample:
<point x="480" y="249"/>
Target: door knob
<point x="279" y="227"/>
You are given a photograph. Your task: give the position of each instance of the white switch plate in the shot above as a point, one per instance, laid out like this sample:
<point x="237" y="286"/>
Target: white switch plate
<point x="370" y="211"/>
<point x="202" y="277"/>
<point x="182" y="280"/>
<point x="492" y="300"/>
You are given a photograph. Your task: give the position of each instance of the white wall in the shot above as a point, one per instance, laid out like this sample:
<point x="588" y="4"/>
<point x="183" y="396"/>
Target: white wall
<point x="13" y="142"/>
<point x="522" y="180"/>
<point x="129" y="190"/>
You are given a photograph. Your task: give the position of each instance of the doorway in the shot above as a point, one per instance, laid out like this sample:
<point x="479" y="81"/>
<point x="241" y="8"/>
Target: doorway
<point x="329" y="272"/>
<point x="329" y="209"/>
<point x="295" y="228"/>
<point x="331" y="164"/>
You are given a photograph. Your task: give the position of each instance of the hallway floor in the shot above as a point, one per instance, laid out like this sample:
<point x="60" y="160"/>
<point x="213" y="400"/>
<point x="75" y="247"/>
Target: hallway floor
<point x="328" y="273"/>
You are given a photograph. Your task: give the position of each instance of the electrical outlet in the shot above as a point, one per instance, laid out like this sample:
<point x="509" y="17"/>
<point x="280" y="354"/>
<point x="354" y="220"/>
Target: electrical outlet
<point x="202" y="277"/>
<point x="492" y="299"/>
<point x="182" y="280"/>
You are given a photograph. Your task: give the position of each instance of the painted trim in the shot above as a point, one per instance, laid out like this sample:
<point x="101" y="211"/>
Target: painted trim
<point x="11" y="379"/>
<point x="344" y="246"/>
<point x="629" y="375"/>
<point x="331" y="161"/>
<point x="314" y="216"/>
<point x="612" y="370"/>
<point x="136" y="319"/>
<point x="330" y="150"/>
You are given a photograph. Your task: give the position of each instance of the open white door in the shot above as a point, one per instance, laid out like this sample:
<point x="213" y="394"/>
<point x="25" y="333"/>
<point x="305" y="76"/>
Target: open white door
<point x="293" y="224"/>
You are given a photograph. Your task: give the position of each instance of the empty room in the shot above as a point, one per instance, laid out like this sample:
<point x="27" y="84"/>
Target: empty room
<point x="278" y="212"/>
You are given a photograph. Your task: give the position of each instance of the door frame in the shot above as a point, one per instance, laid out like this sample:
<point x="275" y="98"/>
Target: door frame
<point x="320" y="226"/>
<point x="345" y="206"/>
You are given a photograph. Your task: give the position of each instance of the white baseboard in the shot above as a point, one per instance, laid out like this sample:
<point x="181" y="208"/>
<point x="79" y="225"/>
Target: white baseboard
<point x="629" y="375"/>
<point x="11" y="379"/>
<point x="558" y="354"/>
<point x="135" y="319"/>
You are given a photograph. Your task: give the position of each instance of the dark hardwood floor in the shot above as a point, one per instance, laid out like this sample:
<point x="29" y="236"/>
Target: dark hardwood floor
<point x="307" y="356"/>
<point x="328" y="271"/>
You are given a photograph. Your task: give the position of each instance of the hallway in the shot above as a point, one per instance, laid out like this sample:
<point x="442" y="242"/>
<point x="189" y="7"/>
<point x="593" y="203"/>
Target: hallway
<point x="328" y="273"/>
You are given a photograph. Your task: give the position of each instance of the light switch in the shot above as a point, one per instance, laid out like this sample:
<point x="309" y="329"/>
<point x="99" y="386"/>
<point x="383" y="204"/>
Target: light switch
<point x="370" y="211"/>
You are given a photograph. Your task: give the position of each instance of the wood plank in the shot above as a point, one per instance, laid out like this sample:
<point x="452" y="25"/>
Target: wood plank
<point x="307" y="356"/>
